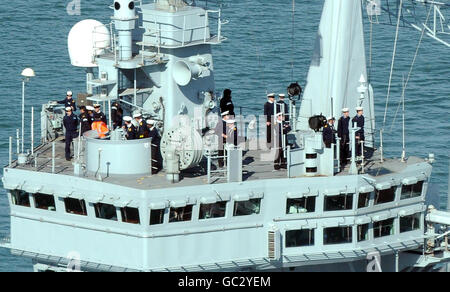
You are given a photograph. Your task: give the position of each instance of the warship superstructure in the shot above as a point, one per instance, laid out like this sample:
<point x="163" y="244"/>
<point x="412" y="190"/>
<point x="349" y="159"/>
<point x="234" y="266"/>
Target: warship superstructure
<point x="106" y="211"/>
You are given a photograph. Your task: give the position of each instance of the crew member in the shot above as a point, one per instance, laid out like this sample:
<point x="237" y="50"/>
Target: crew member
<point x="221" y="132"/>
<point x="68" y="101"/>
<point x="282" y="129"/>
<point x="70" y="122"/>
<point x="283" y="107"/>
<point x="116" y="115"/>
<point x="156" y="140"/>
<point x="90" y="110"/>
<point x="100" y="126"/>
<point x="359" y="135"/>
<point x="130" y="129"/>
<point x="231" y="133"/>
<point x="344" y="134"/>
<point x="269" y="112"/>
<point x="98" y="114"/>
<point x="226" y="103"/>
<point x="328" y="133"/>
<point x="85" y="121"/>
<point x="142" y="129"/>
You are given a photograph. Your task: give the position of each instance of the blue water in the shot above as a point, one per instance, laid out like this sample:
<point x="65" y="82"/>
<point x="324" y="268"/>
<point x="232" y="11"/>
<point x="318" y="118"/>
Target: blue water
<point x="256" y="58"/>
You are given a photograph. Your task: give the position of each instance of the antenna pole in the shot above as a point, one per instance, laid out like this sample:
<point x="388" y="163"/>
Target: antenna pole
<point x="403" y="122"/>
<point x="32" y="130"/>
<point x="23" y="112"/>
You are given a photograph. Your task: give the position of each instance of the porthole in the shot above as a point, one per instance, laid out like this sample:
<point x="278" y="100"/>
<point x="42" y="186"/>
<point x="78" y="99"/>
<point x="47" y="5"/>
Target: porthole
<point x="131" y="5"/>
<point x="117" y="5"/>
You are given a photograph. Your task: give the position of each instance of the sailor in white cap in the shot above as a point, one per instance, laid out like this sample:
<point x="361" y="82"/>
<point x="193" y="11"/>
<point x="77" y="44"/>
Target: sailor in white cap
<point x="269" y="113"/>
<point x="130" y="130"/>
<point x="98" y="114"/>
<point x="68" y="101"/>
<point x="283" y="107"/>
<point x="70" y="122"/>
<point x="328" y="133"/>
<point x="344" y="134"/>
<point x="141" y="129"/>
<point x="282" y="128"/>
<point x="359" y="120"/>
<point x="221" y="132"/>
<point x="85" y="120"/>
<point x="156" y="141"/>
<point x="116" y="115"/>
<point x="232" y="134"/>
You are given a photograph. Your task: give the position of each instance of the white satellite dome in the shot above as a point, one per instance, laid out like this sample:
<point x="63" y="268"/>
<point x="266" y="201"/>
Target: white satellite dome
<point x="86" y="39"/>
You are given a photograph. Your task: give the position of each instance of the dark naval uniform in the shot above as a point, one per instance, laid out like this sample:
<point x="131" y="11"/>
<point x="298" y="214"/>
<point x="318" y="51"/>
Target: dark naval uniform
<point x="156" y="157"/>
<point x="226" y="103"/>
<point x="268" y="112"/>
<point x="232" y="135"/>
<point x="344" y="134"/>
<point x="100" y="116"/>
<point x="86" y="123"/>
<point x="131" y="133"/>
<point x="71" y="125"/>
<point x="220" y="130"/>
<point x="359" y="120"/>
<point x="282" y="129"/>
<point x="328" y="136"/>
<point x="282" y="105"/>
<point x="142" y="130"/>
<point x="68" y="103"/>
<point x="116" y="116"/>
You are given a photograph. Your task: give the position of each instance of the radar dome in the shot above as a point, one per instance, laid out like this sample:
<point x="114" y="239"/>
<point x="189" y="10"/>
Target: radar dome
<point x="87" y="39"/>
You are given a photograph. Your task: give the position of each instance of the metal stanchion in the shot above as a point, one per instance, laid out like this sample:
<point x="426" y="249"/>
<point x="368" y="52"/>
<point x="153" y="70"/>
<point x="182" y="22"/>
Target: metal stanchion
<point x="53" y="157"/>
<point x="32" y="131"/>
<point x="18" y="141"/>
<point x="10" y="151"/>
<point x="362" y="157"/>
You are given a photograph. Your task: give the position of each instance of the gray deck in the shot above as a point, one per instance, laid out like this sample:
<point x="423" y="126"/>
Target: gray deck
<point x="254" y="169"/>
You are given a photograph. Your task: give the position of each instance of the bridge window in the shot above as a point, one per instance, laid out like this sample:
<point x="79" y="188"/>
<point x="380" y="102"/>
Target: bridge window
<point x="130" y="215"/>
<point x="337" y="235"/>
<point x="385" y="196"/>
<point x="209" y="211"/>
<point x="339" y="203"/>
<point x="75" y="206"/>
<point x="412" y="191"/>
<point x="245" y="208"/>
<point x="20" y="198"/>
<point x="383" y="228"/>
<point x="44" y="202"/>
<point x="105" y="211"/>
<point x="296" y="238"/>
<point x="363" y="232"/>
<point x="182" y="214"/>
<point x="303" y="205"/>
<point x="363" y="200"/>
<point x="410" y="223"/>
<point x="157" y="216"/>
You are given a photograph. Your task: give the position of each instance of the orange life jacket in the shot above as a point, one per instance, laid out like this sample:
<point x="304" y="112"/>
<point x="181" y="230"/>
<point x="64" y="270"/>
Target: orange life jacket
<point x="101" y="128"/>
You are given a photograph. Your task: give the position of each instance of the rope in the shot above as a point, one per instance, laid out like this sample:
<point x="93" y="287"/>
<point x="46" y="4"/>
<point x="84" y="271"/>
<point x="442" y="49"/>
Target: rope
<point x="411" y="68"/>
<point x="393" y="61"/>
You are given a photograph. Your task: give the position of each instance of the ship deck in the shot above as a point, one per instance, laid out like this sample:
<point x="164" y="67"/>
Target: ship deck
<point x="253" y="169"/>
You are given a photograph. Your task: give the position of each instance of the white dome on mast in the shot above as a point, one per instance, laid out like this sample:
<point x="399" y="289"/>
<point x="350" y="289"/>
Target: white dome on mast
<point x="87" y="39"/>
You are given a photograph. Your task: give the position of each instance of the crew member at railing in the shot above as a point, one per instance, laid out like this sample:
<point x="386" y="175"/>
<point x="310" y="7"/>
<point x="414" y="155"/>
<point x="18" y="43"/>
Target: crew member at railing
<point x="98" y="114"/>
<point x="85" y="121"/>
<point x="142" y="129"/>
<point x="70" y="122"/>
<point x="328" y="133"/>
<point x="282" y="128"/>
<point x="226" y="103"/>
<point x="68" y="101"/>
<point x="221" y="132"/>
<point x="90" y="110"/>
<point x="344" y="134"/>
<point x="156" y="140"/>
<point x="232" y="133"/>
<point x="359" y="120"/>
<point x="283" y="107"/>
<point x="116" y="115"/>
<point x="130" y="129"/>
<point x="269" y="112"/>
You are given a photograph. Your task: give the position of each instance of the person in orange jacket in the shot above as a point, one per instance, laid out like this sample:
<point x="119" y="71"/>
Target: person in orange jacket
<point x="101" y="127"/>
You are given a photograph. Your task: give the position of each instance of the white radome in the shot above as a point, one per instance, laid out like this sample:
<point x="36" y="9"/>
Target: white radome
<point x="86" y="39"/>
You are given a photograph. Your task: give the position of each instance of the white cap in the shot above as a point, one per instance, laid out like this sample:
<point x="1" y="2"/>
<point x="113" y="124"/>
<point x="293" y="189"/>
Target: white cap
<point x="68" y="109"/>
<point x="282" y="95"/>
<point x="359" y="108"/>
<point x="114" y="107"/>
<point x="97" y="105"/>
<point x="127" y="119"/>
<point x="90" y="108"/>
<point x="231" y="121"/>
<point x="271" y="95"/>
<point x="151" y="122"/>
<point x="345" y="110"/>
<point x="330" y="118"/>
<point x="225" y="113"/>
<point x="279" y="114"/>
<point x="69" y="92"/>
<point x="137" y="115"/>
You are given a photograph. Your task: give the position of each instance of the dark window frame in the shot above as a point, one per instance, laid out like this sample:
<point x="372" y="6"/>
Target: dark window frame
<point x="416" y="222"/>
<point x="221" y="210"/>
<point x="364" y="198"/>
<point x="298" y="239"/>
<point x="346" y="239"/>
<point x="98" y="214"/>
<point x="347" y="206"/>
<point x="379" y="228"/>
<point x="16" y="199"/>
<point x="309" y="204"/>
<point x="82" y="204"/>
<point x="157" y="216"/>
<point x="411" y="192"/>
<point x="124" y="212"/>
<point x="256" y="202"/>
<point x="184" y="214"/>
<point x="41" y="203"/>
<point x="363" y="228"/>
<point x="385" y="196"/>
